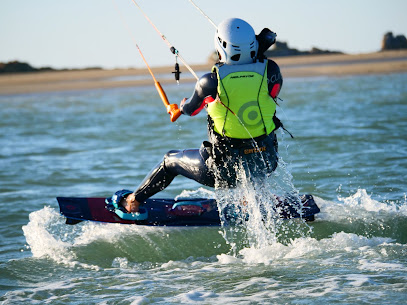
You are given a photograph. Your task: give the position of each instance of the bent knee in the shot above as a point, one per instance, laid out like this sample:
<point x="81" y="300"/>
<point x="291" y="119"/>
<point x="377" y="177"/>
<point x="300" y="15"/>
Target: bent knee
<point x="171" y="160"/>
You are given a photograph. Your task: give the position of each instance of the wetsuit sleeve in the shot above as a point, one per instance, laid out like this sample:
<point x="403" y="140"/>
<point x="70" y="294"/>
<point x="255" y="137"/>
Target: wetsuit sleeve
<point x="275" y="79"/>
<point x="205" y="92"/>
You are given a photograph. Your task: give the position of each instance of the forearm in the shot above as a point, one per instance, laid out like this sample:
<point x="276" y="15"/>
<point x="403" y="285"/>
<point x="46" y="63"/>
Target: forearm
<point x="205" y="92"/>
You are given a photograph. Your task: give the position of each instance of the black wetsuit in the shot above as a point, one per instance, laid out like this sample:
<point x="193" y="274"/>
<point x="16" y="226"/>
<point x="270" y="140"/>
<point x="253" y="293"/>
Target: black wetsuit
<point x="216" y="162"/>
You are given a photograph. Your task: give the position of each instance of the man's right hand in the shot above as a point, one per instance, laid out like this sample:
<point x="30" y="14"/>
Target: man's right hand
<point x="131" y="204"/>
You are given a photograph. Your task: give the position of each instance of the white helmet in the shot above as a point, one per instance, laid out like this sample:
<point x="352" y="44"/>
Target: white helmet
<point x="235" y="42"/>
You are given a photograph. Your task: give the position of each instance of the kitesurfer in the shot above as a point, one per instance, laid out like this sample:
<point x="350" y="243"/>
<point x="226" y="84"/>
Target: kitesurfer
<point x="240" y="97"/>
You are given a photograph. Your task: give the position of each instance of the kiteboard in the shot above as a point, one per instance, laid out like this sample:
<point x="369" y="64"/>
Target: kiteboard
<point x="175" y="212"/>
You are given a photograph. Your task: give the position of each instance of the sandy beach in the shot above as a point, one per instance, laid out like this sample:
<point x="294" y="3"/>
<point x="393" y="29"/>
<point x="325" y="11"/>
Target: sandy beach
<point x="294" y="66"/>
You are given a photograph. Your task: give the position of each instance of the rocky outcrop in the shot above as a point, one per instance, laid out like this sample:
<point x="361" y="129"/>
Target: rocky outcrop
<point x="15" y="66"/>
<point x="282" y="49"/>
<point x="20" y="67"/>
<point x="391" y="42"/>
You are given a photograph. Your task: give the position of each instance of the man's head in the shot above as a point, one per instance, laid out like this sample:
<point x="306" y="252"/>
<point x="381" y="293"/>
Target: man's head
<point x="235" y="42"/>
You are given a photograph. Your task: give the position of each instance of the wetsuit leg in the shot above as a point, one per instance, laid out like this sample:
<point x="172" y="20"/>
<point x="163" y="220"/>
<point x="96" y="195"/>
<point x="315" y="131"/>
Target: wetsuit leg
<point x="259" y="161"/>
<point x="189" y="163"/>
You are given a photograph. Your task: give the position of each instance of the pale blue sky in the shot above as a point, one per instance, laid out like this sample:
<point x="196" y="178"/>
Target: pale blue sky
<point x="82" y="33"/>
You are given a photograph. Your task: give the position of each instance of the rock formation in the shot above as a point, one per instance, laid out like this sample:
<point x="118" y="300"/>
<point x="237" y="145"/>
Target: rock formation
<point x="15" y="66"/>
<point x="282" y="49"/>
<point x="391" y="42"/>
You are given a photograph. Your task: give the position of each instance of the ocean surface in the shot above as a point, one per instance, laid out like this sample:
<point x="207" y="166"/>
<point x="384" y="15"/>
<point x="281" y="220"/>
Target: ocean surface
<point x="349" y="151"/>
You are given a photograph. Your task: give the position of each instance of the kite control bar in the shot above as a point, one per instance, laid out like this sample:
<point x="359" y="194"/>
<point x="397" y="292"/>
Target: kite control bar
<point x="172" y="109"/>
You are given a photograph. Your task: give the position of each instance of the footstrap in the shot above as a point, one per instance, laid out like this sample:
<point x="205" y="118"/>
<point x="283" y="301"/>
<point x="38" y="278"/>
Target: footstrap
<point x="113" y="205"/>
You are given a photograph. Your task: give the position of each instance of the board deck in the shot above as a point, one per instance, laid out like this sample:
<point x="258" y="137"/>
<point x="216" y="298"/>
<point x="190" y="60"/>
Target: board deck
<point x="170" y="212"/>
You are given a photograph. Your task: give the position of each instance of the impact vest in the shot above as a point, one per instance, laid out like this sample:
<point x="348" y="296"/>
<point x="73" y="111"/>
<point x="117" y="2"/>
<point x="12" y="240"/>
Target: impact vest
<point x="245" y="109"/>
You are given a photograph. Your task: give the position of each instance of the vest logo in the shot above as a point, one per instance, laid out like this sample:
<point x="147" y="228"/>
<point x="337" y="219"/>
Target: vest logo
<point x="249" y="115"/>
<point x="274" y="78"/>
<point x="254" y="150"/>
<point x="242" y="76"/>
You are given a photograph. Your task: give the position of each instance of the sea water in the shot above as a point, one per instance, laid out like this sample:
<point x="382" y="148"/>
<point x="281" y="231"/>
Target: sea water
<point x="349" y="151"/>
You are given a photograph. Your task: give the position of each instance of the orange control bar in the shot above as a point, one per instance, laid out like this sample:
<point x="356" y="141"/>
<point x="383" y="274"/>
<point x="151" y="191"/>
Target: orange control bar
<point x="172" y="109"/>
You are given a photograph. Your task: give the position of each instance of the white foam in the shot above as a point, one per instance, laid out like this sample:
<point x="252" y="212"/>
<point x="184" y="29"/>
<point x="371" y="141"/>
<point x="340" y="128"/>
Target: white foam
<point x="307" y="247"/>
<point x="359" y="206"/>
<point x="199" y="193"/>
<point x="174" y="265"/>
<point x="120" y="262"/>
<point x="196" y="296"/>
<point x="375" y="265"/>
<point x="362" y="199"/>
<point x="358" y="280"/>
<point x="41" y="241"/>
<point x="94" y="231"/>
<point x="228" y="259"/>
<point x="48" y="236"/>
<point x="139" y="300"/>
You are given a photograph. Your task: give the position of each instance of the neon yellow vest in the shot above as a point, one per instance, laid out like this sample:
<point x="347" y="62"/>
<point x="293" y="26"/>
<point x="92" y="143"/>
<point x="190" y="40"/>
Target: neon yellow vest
<point x="243" y="90"/>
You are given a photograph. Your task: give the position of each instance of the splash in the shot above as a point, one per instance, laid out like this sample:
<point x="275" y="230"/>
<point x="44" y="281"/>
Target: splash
<point x="373" y="250"/>
<point x="361" y="214"/>
<point x="249" y="213"/>
<point x="361" y="199"/>
<point x="48" y="236"/>
<point x="199" y="193"/>
<point x="93" y="245"/>
<point x="360" y="207"/>
<point x="41" y="237"/>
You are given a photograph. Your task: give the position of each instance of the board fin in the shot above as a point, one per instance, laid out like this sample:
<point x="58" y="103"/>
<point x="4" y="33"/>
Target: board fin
<point x="71" y="221"/>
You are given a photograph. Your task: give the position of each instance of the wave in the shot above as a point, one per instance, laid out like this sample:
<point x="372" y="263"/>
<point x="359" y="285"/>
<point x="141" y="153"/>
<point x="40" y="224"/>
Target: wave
<point x="336" y="245"/>
<point x="351" y="223"/>
<point x="94" y="245"/>
<point x="362" y="215"/>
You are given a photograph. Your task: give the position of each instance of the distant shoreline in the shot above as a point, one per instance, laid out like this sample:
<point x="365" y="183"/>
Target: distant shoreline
<point x="291" y="66"/>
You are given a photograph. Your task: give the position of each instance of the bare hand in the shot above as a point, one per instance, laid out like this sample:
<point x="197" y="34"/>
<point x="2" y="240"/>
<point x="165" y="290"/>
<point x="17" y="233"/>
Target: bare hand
<point x="131" y="204"/>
